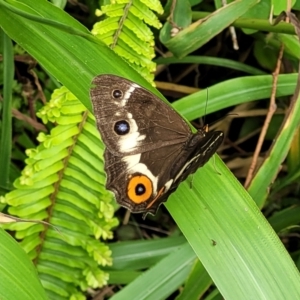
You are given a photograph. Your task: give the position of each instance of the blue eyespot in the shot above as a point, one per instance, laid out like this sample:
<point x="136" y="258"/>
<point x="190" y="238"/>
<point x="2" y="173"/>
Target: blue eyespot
<point x="117" y="94"/>
<point x="121" y="127"/>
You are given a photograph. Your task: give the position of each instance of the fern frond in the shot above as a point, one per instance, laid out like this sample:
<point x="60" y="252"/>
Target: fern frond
<point x="124" y="50"/>
<point x="141" y="11"/>
<point x="126" y="31"/>
<point x="154" y="5"/>
<point x="63" y="184"/>
<point x="139" y="28"/>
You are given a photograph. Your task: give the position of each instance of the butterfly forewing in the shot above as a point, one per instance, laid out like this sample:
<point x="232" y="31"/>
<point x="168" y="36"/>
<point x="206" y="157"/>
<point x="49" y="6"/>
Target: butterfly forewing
<point x="152" y="122"/>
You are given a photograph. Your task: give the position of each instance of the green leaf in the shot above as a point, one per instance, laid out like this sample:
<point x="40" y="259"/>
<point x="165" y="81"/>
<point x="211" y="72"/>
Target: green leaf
<point x="280" y="5"/>
<point x="19" y="278"/>
<point x="160" y="281"/>
<point x="214" y="61"/>
<point x="200" y="32"/>
<point x="197" y="283"/>
<point x="138" y="255"/>
<point x="246" y="255"/>
<point x="232" y="92"/>
<point x="261" y="10"/>
<point x="6" y="126"/>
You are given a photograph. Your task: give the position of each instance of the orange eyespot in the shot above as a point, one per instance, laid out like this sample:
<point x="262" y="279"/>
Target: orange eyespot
<point x="139" y="188"/>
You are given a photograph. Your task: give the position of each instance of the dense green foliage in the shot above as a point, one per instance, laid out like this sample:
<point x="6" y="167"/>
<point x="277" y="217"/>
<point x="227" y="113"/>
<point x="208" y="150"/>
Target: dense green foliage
<point x="216" y="237"/>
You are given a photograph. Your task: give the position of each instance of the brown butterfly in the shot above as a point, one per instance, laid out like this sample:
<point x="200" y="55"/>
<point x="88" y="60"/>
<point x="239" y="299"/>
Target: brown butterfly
<point x="150" y="148"/>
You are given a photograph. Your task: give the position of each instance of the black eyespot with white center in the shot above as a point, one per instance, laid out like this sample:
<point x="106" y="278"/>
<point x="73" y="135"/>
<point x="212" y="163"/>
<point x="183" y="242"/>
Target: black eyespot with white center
<point x="121" y="127"/>
<point x="117" y="94"/>
<point x="140" y="189"/>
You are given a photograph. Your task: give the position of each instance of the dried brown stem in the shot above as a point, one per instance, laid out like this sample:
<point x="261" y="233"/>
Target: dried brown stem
<point x="271" y="111"/>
